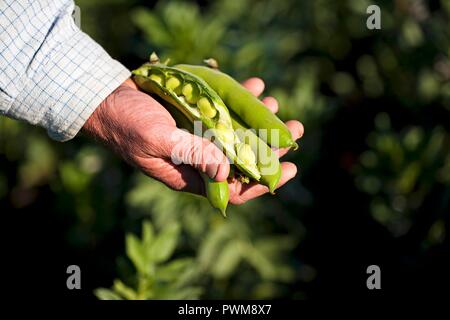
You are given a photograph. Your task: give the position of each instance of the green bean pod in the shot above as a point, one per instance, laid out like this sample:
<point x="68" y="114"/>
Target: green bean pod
<point x="248" y="107"/>
<point x="267" y="161"/>
<point x="197" y="101"/>
<point x="217" y="193"/>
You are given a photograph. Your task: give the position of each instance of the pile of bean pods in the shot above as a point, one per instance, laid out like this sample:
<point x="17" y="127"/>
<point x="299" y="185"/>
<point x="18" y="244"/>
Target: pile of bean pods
<point x="239" y="122"/>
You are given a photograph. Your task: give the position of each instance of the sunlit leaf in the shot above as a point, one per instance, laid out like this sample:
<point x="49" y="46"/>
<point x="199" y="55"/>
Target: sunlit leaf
<point x="173" y="269"/>
<point x="227" y="260"/>
<point x="165" y="242"/>
<point x="106" y="294"/>
<point x="136" y="253"/>
<point x="123" y="290"/>
<point x="147" y="233"/>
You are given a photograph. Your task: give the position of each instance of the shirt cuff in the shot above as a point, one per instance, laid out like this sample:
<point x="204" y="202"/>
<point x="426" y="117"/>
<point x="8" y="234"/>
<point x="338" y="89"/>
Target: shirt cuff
<point x="62" y="93"/>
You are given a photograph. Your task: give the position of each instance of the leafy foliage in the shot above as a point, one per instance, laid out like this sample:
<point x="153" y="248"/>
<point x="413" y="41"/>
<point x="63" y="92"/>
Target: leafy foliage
<point x="223" y="246"/>
<point x="156" y="278"/>
<point x="400" y="169"/>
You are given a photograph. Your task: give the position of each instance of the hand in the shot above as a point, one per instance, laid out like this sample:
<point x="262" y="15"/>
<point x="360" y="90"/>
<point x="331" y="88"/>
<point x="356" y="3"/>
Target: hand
<point x="142" y="131"/>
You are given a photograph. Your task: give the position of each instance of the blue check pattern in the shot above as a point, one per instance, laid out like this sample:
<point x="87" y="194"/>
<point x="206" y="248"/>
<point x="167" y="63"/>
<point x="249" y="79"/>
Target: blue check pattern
<point x="51" y="73"/>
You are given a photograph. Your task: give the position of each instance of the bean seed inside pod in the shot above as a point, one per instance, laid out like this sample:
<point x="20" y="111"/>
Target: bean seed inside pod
<point x="190" y="92"/>
<point x="245" y="153"/>
<point x="206" y="107"/>
<point x="225" y="132"/>
<point x="158" y="78"/>
<point x="173" y="83"/>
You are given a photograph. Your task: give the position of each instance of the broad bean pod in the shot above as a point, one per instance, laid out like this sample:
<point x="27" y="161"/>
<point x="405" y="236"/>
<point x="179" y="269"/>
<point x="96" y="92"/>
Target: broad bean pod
<point x="266" y="160"/>
<point x="248" y="107"/>
<point x="217" y="193"/>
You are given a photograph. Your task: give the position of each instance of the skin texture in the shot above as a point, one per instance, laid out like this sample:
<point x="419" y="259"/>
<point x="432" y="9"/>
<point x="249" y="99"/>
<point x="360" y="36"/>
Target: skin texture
<point x="140" y="130"/>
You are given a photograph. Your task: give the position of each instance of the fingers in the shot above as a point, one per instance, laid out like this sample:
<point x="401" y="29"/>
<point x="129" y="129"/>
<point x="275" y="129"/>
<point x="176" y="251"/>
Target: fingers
<point x="200" y="153"/>
<point x="296" y="129"/>
<point x="177" y="177"/>
<point x="186" y="178"/>
<point x="241" y="193"/>
<point x="271" y="103"/>
<point x="254" y="85"/>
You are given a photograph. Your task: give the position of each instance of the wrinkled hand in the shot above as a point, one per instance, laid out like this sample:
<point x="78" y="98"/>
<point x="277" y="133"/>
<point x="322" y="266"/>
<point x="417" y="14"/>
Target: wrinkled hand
<point x="142" y="131"/>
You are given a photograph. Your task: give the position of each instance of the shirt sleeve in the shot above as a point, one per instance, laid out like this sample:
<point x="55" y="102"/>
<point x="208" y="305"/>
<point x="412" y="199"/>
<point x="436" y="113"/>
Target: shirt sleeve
<point x="51" y="73"/>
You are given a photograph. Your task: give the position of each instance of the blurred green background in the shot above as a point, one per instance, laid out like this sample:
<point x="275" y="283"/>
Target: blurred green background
<point x="374" y="164"/>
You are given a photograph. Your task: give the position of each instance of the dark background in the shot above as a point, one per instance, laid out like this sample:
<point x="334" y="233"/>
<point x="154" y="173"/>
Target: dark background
<point x="374" y="164"/>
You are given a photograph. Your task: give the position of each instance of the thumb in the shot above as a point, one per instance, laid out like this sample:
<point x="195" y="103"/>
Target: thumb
<point x="198" y="152"/>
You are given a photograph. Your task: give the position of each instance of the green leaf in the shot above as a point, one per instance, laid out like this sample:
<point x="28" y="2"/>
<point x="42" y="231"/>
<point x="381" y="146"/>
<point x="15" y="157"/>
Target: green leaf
<point x="73" y="178"/>
<point x="189" y="293"/>
<point x="147" y="233"/>
<point x="152" y="26"/>
<point x="259" y="261"/>
<point x="190" y="275"/>
<point x="39" y="164"/>
<point x="276" y="245"/>
<point x="228" y="260"/>
<point x="173" y="270"/>
<point x="164" y="245"/>
<point x="106" y="294"/>
<point x="125" y="291"/>
<point x="212" y="244"/>
<point x="171" y="293"/>
<point x="136" y="253"/>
